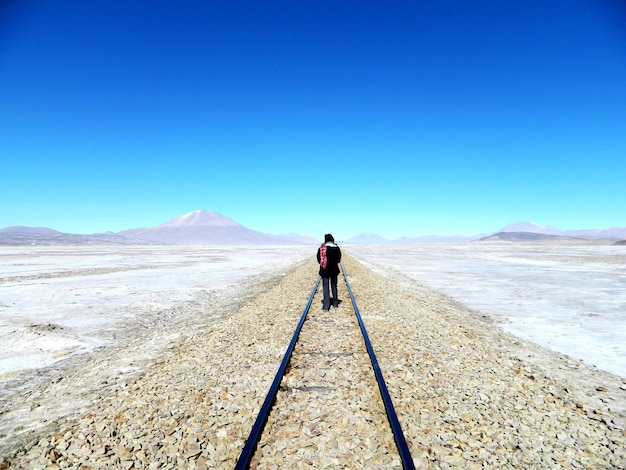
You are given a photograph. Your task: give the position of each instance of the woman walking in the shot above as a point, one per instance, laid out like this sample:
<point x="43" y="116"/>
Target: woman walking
<point x="329" y="256"/>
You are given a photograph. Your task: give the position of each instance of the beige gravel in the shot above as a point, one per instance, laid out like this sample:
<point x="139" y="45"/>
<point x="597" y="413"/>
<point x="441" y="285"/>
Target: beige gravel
<point x="468" y="395"/>
<point x="472" y="396"/>
<point x="328" y="410"/>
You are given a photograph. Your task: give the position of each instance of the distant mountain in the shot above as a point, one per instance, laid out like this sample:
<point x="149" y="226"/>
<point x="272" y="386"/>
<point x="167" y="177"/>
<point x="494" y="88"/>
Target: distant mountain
<point x="202" y="227"/>
<point x="436" y="239"/>
<point x="531" y="227"/>
<point x="299" y="238"/>
<point x="527" y="237"/>
<point x="195" y="228"/>
<point x="368" y="238"/>
<point x="201" y="218"/>
<point x="523" y="231"/>
<point x="33" y="231"/>
<point x="45" y="236"/>
<point x="616" y="232"/>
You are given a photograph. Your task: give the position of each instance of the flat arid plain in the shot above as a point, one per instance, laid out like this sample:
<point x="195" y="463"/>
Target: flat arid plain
<point x="89" y="333"/>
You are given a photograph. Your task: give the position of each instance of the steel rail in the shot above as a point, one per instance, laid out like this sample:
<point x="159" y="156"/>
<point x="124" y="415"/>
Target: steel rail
<point x="403" y="449"/>
<point x="257" y="429"/>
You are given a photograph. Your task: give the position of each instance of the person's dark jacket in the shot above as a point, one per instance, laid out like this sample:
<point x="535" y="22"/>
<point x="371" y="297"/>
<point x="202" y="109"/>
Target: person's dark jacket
<point x="333" y="257"/>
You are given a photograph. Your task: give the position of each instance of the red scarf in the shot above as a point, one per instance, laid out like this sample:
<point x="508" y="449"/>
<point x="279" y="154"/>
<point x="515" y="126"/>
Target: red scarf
<point x="323" y="258"/>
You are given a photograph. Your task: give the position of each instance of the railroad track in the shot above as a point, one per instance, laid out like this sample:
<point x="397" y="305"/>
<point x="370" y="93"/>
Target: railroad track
<point x="329" y="390"/>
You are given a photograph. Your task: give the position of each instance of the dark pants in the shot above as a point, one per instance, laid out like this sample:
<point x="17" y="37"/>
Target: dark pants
<point x="333" y="287"/>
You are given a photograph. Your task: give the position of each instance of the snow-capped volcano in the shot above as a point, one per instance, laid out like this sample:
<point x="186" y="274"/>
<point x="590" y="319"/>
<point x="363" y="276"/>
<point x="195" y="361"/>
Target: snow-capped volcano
<point x="202" y="227"/>
<point x="201" y="218"/>
<point x="530" y="227"/>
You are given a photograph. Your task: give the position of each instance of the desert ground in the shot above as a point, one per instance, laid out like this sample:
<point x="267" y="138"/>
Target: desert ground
<point x="567" y="297"/>
<point x="182" y="391"/>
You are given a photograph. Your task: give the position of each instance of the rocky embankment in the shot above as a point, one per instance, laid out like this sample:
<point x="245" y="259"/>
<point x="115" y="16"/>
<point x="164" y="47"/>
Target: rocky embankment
<point x="467" y="394"/>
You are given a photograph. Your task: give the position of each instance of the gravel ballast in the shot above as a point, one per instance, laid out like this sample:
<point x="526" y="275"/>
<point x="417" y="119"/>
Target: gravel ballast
<point x="467" y="394"/>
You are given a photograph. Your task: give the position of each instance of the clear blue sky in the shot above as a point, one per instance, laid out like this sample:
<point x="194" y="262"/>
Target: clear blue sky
<point x="404" y="118"/>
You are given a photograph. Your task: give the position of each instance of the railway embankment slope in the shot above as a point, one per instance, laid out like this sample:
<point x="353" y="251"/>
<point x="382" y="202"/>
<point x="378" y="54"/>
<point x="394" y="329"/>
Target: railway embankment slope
<point x="467" y="394"/>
